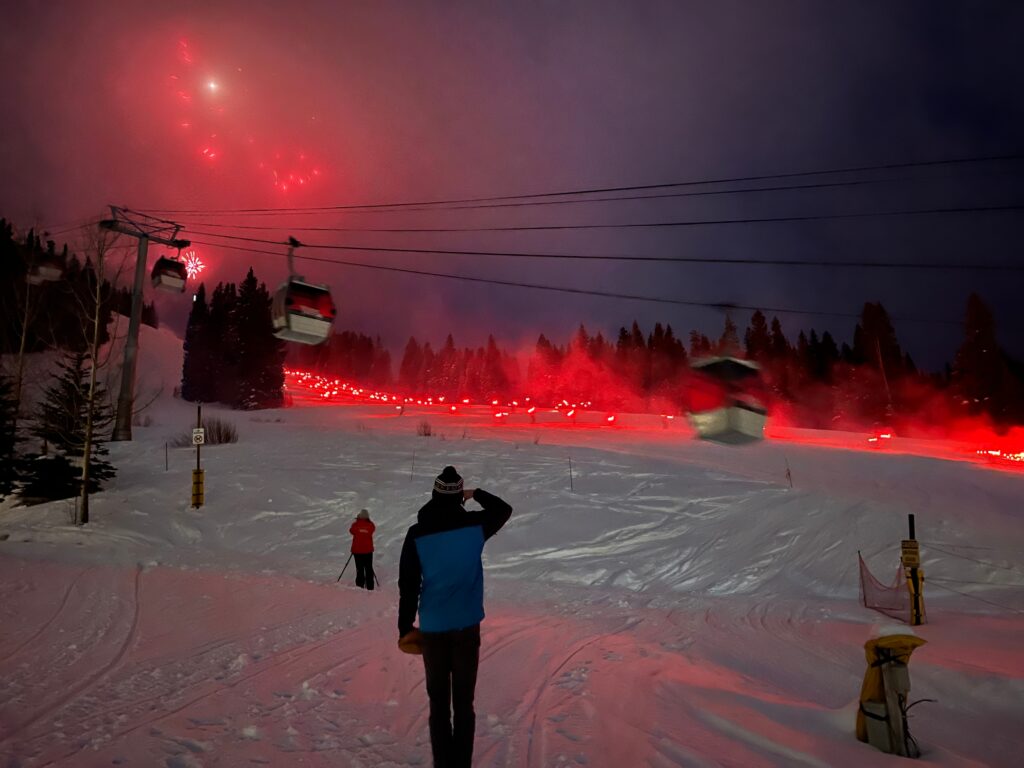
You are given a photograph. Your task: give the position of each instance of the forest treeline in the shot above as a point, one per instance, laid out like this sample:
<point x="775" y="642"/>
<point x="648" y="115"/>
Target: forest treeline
<point x="811" y="380"/>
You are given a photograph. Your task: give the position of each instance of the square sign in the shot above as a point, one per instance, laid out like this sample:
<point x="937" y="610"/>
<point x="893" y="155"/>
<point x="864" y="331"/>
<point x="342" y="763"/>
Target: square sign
<point x="198" y="436"/>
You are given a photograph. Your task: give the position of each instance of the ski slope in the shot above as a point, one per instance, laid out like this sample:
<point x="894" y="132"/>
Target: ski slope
<point x="672" y="604"/>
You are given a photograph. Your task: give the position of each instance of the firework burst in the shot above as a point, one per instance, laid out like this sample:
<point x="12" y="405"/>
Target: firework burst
<point x="193" y="264"/>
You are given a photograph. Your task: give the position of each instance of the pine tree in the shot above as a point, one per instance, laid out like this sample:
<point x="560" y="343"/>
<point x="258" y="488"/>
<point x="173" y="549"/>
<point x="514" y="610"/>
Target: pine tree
<point x="60" y="423"/>
<point x="757" y="339"/>
<point x="197" y="365"/>
<point x="260" y="354"/>
<point x="729" y="342"/>
<point x="411" y="365"/>
<point x="979" y="366"/>
<point x="779" y="345"/>
<point x="222" y="338"/>
<point x="8" y="438"/>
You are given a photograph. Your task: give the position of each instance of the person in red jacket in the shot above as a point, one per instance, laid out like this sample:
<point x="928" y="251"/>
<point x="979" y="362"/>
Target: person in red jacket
<point x="362" y="548"/>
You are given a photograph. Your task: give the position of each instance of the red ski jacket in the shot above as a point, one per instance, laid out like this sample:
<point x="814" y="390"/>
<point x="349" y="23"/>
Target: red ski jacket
<point x="362" y="537"/>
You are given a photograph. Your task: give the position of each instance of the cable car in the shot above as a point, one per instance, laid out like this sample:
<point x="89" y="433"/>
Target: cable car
<point x="726" y="405"/>
<point x="46" y="269"/>
<point x="169" y="274"/>
<point x="303" y="312"/>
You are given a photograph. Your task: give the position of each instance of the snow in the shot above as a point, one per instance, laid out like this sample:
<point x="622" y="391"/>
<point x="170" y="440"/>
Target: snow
<point x="680" y="605"/>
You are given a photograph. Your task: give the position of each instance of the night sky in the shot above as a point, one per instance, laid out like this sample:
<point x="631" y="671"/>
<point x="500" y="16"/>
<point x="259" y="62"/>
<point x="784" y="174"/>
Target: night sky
<point x="222" y="105"/>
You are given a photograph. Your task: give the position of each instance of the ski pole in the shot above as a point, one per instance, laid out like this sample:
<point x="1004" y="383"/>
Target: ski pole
<point x="343" y="569"/>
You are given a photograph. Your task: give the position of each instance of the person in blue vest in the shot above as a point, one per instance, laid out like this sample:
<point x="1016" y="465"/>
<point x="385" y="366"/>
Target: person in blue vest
<point x="441" y="576"/>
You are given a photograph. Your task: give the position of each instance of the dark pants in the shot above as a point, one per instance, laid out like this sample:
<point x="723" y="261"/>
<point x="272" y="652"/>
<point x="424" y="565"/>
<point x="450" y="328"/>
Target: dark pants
<point x="364" y="570"/>
<point x="450" y="660"/>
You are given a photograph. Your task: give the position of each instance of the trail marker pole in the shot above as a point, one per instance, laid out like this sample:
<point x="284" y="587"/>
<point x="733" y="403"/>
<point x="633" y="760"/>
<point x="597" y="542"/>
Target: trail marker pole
<point x="910" y="555"/>
<point x="198" y="478"/>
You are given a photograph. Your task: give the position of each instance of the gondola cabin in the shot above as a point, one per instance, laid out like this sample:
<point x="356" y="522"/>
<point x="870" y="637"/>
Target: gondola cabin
<point x="726" y="401"/>
<point x="303" y="312"/>
<point x="169" y="274"/>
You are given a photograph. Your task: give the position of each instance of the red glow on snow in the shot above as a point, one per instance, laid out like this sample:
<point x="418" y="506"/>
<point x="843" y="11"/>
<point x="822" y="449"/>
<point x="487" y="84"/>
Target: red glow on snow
<point x="978" y="444"/>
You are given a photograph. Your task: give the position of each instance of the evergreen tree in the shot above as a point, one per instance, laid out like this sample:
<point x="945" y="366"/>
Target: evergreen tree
<point x="198" y="363"/>
<point x="729" y="341"/>
<point x="223" y="343"/>
<point x="779" y="345"/>
<point x="757" y="339"/>
<point x="60" y="423"/>
<point x="874" y="341"/>
<point x="979" y="366"/>
<point x="411" y="365"/>
<point x="260" y="354"/>
<point x="8" y="438"/>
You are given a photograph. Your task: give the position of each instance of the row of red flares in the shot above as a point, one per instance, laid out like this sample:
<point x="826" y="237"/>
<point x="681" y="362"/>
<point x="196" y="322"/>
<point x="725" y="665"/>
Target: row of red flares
<point x="327" y="388"/>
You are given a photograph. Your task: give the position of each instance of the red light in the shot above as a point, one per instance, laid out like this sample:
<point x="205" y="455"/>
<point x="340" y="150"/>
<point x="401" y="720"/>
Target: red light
<point x="453" y="409"/>
<point x="611" y="418"/>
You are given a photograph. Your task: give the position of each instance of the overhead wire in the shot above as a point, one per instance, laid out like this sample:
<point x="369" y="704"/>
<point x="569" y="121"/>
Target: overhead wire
<point x="628" y="258"/>
<point x="573" y="201"/>
<point x="616" y="189"/>
<point x="1014" y="207"/>
<point x="569" y="290"/>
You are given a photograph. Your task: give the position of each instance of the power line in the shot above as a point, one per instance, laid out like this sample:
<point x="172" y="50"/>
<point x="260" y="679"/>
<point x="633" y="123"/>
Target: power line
<point x="628" y="188"/>
<point x="656" y="259"/>
<point x="565" y="289"/>
<point x="615" y="198"/>
<point x="688" y="223"/>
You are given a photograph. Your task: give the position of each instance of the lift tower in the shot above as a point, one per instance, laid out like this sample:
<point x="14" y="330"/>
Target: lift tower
<point x="145" y="229"/>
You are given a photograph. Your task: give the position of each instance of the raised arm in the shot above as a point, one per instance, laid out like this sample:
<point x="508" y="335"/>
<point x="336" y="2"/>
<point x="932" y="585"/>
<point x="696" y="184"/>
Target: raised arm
<point x="495" y="514"/>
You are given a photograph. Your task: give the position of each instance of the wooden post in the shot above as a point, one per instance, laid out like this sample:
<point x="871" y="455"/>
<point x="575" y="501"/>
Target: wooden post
<point x="911" y="558"/>
<point x="893" y="706"/>
<point x="570" y="474"/>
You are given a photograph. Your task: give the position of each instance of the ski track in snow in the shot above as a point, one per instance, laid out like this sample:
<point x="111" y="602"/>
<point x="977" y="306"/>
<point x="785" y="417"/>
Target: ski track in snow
<point x="680" y="606"/>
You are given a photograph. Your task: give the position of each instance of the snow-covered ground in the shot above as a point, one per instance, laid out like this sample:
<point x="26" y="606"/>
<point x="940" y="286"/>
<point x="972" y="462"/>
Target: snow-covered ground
<point x="671" y="603"/>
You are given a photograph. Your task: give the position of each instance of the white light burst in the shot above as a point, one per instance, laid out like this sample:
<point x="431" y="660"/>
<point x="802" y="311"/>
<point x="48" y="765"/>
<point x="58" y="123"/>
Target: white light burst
<point x="193" y="264"/>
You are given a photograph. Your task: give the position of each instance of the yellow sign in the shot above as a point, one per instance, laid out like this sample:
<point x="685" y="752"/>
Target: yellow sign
<point x="910" y="553"/>
<point x="198" y="489"/>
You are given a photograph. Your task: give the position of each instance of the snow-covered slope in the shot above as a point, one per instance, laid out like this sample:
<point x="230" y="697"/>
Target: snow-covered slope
<point x="670" y="603"/>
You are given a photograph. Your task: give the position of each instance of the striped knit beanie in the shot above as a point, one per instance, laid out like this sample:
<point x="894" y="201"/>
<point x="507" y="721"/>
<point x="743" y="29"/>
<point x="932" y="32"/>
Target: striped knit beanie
<point x="448" y="482"/>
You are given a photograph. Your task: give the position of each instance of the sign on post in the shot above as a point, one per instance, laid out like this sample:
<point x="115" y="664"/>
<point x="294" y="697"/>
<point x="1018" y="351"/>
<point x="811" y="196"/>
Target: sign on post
<point x="910" y="553"/>
<point x="198" y="436"/>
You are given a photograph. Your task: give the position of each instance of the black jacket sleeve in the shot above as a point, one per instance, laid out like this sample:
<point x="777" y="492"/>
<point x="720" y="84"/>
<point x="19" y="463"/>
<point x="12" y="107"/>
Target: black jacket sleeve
<point x="410" y="576"/>
<point x="496" y="512"/>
